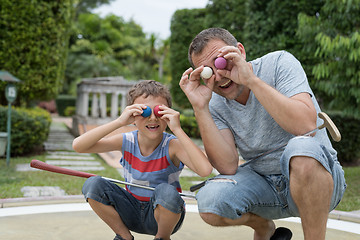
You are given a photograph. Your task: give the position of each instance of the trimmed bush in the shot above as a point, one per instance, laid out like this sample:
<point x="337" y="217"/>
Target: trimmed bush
<point x="190" y="126"/>
<point x="29" y="128"/>
<point x="64" y="101"/>
<point x="348" y="147"/>
<point x="34" y="45"/>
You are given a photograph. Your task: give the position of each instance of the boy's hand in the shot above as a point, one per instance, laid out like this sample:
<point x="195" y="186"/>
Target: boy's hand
<point x="130" y="112"/>
<point x="171" y="117"/>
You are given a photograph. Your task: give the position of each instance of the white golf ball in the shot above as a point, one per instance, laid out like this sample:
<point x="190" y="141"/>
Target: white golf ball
<point x="206" y="73"/>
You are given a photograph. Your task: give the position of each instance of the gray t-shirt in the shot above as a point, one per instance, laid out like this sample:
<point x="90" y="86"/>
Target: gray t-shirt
<point x="254" y="130"/>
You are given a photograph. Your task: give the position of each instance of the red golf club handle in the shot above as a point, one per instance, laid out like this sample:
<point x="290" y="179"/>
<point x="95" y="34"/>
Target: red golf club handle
<point x="47" y="167"/>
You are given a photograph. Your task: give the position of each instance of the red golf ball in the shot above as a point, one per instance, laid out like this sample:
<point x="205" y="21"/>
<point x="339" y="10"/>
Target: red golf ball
<point x="220" y="63"/>
<point x="156" y="111"/>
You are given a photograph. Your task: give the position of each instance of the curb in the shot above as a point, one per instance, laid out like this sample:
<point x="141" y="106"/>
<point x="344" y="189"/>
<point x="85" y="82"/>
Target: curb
<point x="33" y="201"/>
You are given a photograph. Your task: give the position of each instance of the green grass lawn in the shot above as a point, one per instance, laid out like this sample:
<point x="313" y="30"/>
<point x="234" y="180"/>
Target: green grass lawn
<point x="351" y="199"/>
<point x="12" y="181"/>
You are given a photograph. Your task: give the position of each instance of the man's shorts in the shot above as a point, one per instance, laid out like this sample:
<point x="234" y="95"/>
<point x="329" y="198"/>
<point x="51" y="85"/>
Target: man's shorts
<point x="138" y="216"/>
<point x="267" y="196"/>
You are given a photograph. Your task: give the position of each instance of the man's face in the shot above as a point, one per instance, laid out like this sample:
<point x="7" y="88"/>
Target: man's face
<point x="223" y="86"/>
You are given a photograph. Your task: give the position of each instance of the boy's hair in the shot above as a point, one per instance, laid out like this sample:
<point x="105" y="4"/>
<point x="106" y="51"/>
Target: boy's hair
<point x="202" y="39"/>
<point x="147" y="88"/>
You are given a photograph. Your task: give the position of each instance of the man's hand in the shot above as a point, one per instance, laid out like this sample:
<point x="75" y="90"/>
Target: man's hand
<point x="198" y="94"/>
<point x="241" y="72"/>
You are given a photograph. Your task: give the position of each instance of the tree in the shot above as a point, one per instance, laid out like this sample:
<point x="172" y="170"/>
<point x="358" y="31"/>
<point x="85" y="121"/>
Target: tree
<point x="33" y="46"/>
<point x="332" y="37"/>
<point x="85" y="6"/>
<point x="271" y="25"/>
<point x="185" y="24"/>
<point x="108" y="46"/>
<point x="228" y="14"/>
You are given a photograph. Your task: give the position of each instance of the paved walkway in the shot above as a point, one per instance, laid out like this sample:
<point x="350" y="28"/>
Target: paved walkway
<point x="68" y="217"/>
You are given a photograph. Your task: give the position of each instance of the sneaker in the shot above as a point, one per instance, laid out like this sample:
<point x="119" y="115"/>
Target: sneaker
<point x="118" y="237"/>
<point x="282" y="233"/>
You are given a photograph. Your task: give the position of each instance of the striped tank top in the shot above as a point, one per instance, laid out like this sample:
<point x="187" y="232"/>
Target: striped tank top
<point x="150" y="170"/>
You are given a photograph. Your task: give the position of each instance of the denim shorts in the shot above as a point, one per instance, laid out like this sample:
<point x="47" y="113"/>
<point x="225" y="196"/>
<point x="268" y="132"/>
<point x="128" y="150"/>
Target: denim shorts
<point x="138" y="216"/>
<point x="267" y="196"/>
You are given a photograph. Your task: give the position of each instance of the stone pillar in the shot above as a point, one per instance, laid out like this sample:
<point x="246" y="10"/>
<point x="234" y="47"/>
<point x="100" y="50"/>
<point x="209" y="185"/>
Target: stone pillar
<point x="123" y="102"/>
<point x="95" y="105"/>
<point x="103" y="105"/>
<point x="114" y="105"/>
<point x="84" y="104"/>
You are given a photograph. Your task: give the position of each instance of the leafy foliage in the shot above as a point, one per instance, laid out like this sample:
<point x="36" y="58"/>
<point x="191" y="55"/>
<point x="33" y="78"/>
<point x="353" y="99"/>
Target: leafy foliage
<point x="337" y="52"/>
<point x="185" y="24"/>
<point x="29" y="128"/>
<point x="111" y="46"/>
<point x="271" y="25"/>
<point x="348" y="147"/>
<point x="228" y="14"/>
<point x="33" y="46"/>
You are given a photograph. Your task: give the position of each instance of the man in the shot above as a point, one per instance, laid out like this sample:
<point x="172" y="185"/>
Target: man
<point x="251" y="108"/>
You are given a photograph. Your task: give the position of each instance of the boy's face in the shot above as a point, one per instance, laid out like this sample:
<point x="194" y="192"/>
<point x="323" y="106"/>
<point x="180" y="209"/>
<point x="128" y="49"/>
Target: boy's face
<point x="152" y="126"/>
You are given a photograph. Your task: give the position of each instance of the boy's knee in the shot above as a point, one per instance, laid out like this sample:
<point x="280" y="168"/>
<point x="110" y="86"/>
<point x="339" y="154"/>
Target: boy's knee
<point x="94" y="185"/>
<point x="167" y="196"/>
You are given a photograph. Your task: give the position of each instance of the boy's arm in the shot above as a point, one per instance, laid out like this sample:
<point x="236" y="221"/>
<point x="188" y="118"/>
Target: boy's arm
<point x="183" y="148"/>
<point x="93" y="141"/>
<point x="190" y="154"/>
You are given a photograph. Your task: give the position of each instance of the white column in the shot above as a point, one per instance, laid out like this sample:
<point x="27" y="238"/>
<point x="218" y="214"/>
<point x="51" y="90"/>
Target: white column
<point x="123" y="102"/>
<point x="84" y="104"/>
<point x="114" y="105"/>
<point x="103" y="105"/>
<point x="95" y="106"/>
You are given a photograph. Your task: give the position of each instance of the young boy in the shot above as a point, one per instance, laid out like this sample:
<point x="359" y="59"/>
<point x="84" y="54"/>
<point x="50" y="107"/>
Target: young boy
<point x="151" y="157"/>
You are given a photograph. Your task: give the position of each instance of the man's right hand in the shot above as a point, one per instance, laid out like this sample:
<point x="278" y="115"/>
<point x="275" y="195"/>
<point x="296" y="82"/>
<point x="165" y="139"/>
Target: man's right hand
<point x="198" y="94"/>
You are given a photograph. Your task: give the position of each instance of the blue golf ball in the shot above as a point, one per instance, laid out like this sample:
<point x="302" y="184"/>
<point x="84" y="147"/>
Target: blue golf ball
<point x="146" y="112"/>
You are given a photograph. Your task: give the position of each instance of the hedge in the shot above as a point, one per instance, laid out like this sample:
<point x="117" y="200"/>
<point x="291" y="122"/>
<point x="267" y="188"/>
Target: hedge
<point x="348" y="148"/>
<point x="34" y="45"/>
<point x="64" y="101"/>
<point x="29" y="128"/>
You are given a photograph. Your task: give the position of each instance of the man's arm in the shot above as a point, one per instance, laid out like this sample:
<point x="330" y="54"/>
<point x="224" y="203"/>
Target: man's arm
<point x="296" y="114"/>
<point x="219" y="144"/>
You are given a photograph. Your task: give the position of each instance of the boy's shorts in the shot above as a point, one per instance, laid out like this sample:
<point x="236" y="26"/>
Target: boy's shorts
<point x="267" y="196"/>
<point x="138" y="216"/>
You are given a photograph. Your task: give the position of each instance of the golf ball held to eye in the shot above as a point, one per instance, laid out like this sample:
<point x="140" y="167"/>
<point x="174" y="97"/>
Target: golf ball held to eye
<point x="146" y="112"/>
<point x="206" y="73"/>
<point x="156" y="111"/>
<point x="220" y="63"/>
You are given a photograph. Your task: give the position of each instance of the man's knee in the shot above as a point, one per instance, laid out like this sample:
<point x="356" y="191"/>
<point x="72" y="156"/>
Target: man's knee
<point x="212" y="219"/>
<point x="306" y="167"/>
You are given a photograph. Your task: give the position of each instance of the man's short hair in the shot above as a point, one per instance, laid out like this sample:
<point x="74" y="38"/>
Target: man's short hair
<point x="202" y="39"/>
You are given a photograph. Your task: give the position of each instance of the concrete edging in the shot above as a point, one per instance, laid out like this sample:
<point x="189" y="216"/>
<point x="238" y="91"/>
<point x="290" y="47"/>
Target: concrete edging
<point x="19" y="202"/>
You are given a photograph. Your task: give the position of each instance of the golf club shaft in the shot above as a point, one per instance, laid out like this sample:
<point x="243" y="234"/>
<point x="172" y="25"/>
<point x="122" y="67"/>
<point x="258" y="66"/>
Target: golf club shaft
<point x="51" y="168"/>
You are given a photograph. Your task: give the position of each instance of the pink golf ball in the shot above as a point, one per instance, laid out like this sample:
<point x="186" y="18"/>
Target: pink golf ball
<point x="220" y="63"/>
